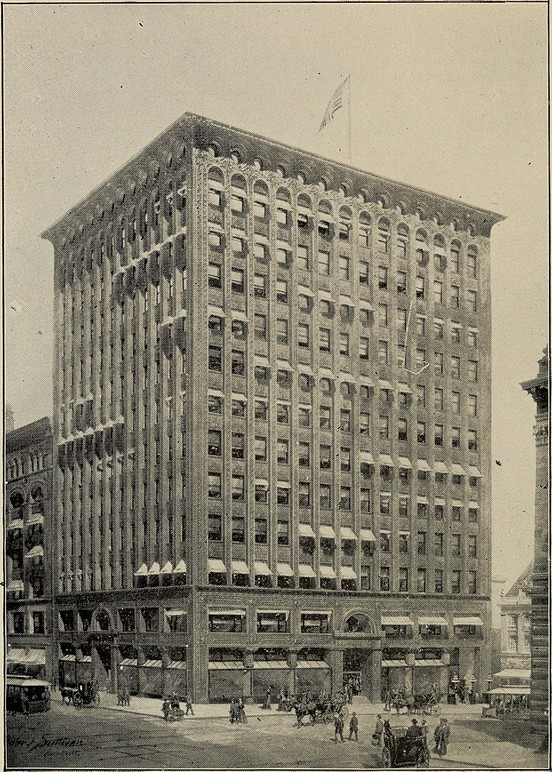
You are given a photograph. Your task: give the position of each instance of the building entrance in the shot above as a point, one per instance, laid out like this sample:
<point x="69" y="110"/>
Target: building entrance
<point x="356" y="671"/>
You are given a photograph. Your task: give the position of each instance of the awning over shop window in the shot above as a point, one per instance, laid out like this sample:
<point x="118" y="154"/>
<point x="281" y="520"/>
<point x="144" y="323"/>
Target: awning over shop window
<point x="306" y="530"/>
<point x="474" y="471"/>
<point x="367" y="535"/>
<point x="167" y="568"/>
<point x="176" y="665"/>
<point x="270" y="664"/>
<point x="440" y="468"/>
<point x="347" y="534"/>
<point x="432" y="621"/>
<point x="16" y="585"/>
<point x="428" y="663"/>
<point x="306" y="571"/>
<point x="366" y="457"/>
<point x="513" y="673"/>
<point x="35" y="552"/>
<point x="318" y="664"/>
<point x="175" y="612"/>
<point x="457" y="469"/>
<point x="404" y="463"/>
<point x="142" y="571"/>
<point x="154" y="569"/>
<point x="393" y="663"/>
<point x="216" y="566"/>
<point x="284" y="569"/>
<point x="347" y="573"/>
<point x="153" y="663"/>
<point x="180" y="567"/>
<point x="386" y="460"/>
<point x="35" y="520"/>
<point x="262" y="569"/>
<point x="129" y="662"/>
<point x="513" y="690"/>
<point x="327" y="572"/>
<point x="17" y="523"/>
<point x="239" y="567"/>
<point x="471" y="621"/>
<point x="229" y="665"/>
<point x="68" y="658"/>
<point x="327" y="532"/>
<point x="423" y="466"/>
<point x="396" y="621"/>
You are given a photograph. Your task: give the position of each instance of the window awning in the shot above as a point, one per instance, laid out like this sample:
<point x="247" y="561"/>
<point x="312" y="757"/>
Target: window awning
<point x="366" y="535"/>
<point x="270" y="664"/>
<point x="318" y="664"/>
<point x="142" y="571"/>
<point x="457" y="469"/>
<point x="260" y="482"/>
<point x="347" y="534"/>
<point x="346" y="378"/>
<point x="216" y="566"/>
<point x="176" y="665"/>
<point x="215" y="392"/>
<point x="441" y="468"/>
<point x="306" y="530"/>
<point x="303" y="368"/>
<point x="366" y="304"/>
<point x="68" y="658"/>
<point x="239" y="315"/>
<point x="129" y="661"/>
<point x="325" y="372"/>
<point x="474" y="471"/>
<point x="27" y="656"/>
<point x="35" y="520"/>
<point x="404" y="463"/>
<point x="347" y="573"/>
<point x="428" y="663"/>
<point x="366" y="457"/>
<point x="305" y="291"/>
<point x="325" y="295"/>
<point x="473" y="505"/>
<point x="513" y="690"/>
<point x="229" y="665"/>
<point x="284" y="569"/>
<point x="423" y="466"/>
<point x="35" y="552"/>
<point x="180" y="567"/>
<point x="513" y="673"/>
<point x="386" y="460"/>
<point x="262" y="569"/>
<point x="239" y="397"/>
<point x="282" y="364"/>
<point x="396" y="621"/>
<point x="346" y="301"/>
<point x="440" y="501"/>
<point x="393" y="663"/>
<point x="385" y="385"/>
<point x="153" y="663"/>
<point x="432" y="621"/>
<point x="261" y="360"/>
<point x="167" y="568"/>
<point x="404" y="388"/>
<point x="457" y="503"/>
<point x="216" y="311"/>
<point x="239" y="567"/>
<point x="422" y="499"/>
<point x="326" y="532"/>
<point x="16" y="585"/>
<point x="224" y="612"/>
<point x="306" y="571"/>
<point x="175" y="612"/>
<point x="470" y="621"/>
<point x="17" y="523"/>
<point x="327" y="572"/>
<point x="154" y="569"/>
<point x="283" y="484"/>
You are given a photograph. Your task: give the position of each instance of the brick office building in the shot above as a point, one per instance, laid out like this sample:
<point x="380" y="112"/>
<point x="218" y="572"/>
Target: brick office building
<point x="272" y="424"/>
<point x="27" y="518"/>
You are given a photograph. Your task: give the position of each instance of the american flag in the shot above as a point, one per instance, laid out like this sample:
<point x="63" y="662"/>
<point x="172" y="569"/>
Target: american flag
<point x="334" y="104"/>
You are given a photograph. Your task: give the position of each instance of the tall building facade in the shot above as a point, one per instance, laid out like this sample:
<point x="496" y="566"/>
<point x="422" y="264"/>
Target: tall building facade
<point x="540" y="589"/>
<point x="272" y="425"/>
<point x="27" y="513"/>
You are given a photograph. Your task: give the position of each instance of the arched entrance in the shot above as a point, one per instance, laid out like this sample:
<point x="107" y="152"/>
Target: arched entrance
<point x="361" y="656"/>
<point x="103" y="631"/>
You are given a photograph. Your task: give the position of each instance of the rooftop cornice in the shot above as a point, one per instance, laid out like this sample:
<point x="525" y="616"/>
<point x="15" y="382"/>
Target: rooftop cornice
<point x="204" y="132"/>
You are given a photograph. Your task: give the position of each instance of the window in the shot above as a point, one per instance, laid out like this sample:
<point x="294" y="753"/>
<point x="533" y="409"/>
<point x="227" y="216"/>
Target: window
<point x="439" y="399"/>
<point x="150" y="618"/>
<point x="302" y="220"/>
<point x="471" y="263"/>
<point x="326" y="308"/>
<point x="303" y="335"/>
<point x="237" y="203"/>
<point x="304" y="417"/>
<point x="214" y="485"/>
<point x="325" y="457"/>
<point x="345" y="420"/>
<point x="420" y="395"/>
<point x="260" y="209"/>
<point x="439" y="544"/>
<point x="472" y="338"/>
<point x="439" y="434"/>
<point x="364" y="423"/>
<point x="404" y="539"/>
<point x="304" y="494"/>
<point x="385" y="572"/>
<point x="454" y="296"/>
<point x="324" y="336"/>
<point x="261" y="410"/>
<point x="282" y="451"/>
<point x="215" y="239"/>
<point x="303" y="257"/>
<point x="215" y="197"/>
<point x="421" y="431"/>
<point x="282" y="257"/>
<point x="237" y="278"/>
<point x="260" y="326"/>
<point x="438" y="580"/>
<point x="315" y="623"/>
<point x="303" y="454"/>
<point x="438" y="329"/>
<point x="439" y="363"/>
<point x="345" y="459"/>
<point x="281" y="291"/>
<point x="272" y="622"/>
<point x="325" y="417"/>
<point x="259" y="284"/>
<point x="282" y="413"/>
<point x="214" y="404"/>
<point x="383" y="315"/>
<point x="344" y="498"/>
<point x="344" y="272"/>
<point x="472" y="546"/>
<point x="382" y="277"/>
<point x="472" y="582"/>
<point x="238" y="528"/>
<point x="214" y="527"/>
<point x="437" y="291"/>
<point x="282" y="494"/>
<point x="420" y="358"/>
<point x="214" y="442"/>
<point x="365" y="500"/>
<point x="227" y="622"/>
<point x="238" y="362"/>
<point x="344" y="344"/>
<point x="383" y="352"/>
<point x="403" y="506"/>
<point x="282" y="331"/>
<point x="455" y="582"/>
<point x="323" y="262"/>
<point x="260" y="448"/>
<point x="455" y="402"/>
<point x="455" y="367"/>
<point x="261" y="492"/>
<point x="472" y="515"/>
<point x="472" y="439"/>
<point x="238" y="408"/>
<point x="422" y="509"/>
<point x="363" y="232"/>
<point x="402" y="319"/>
<point x="214" y="275"/>
<point x="401" y="281"/>
<point x="472" y="371"/>
<point x="325" y="496"/>
<point x="455" y="545"/>
<point x="455" y="257"/>
<point x="420" y="287"/>
<point x="282" y="216"/>
<point x="344" y="230"/>
<point x="364" y="348"/>
<point x="421" y="548"/>
<point x="385" y="503"/>
<point x="238" y="487"/>
<point x="403" y="579"/>
<point x="385" y="541"/>
<point x="455" y="437"/>
<point x="384" y="427"/>
<point x="455" y="332"/>
<point x="383" y="236"/>
<point x="363" y="272"/>
<point x="283" y="532"/>
<point x="421" y="583"/>
<point x="402" y="426"/>
<point x="38" y="622"/>
<point x="238" y="245"/>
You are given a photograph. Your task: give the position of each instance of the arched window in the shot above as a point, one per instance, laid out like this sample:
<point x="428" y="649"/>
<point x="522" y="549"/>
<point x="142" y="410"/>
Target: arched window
<point x="383" y="234"/>
<point x="402" y="240"/>
<point x="216" y="175"/>
<point x="471" y="261"/>
<point x="357" y="623"/>
<point x="345" y="224"/>
<point x="364" y="229"/>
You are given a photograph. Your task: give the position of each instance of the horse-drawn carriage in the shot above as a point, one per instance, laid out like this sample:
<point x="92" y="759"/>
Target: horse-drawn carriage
<point x="400" y="749"/>
<point x="321" y="709"/>
<point x="86" y="694"/>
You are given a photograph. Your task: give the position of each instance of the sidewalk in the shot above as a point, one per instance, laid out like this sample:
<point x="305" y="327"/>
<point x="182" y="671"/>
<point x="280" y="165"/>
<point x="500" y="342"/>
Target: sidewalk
<point x="151" y="706"/>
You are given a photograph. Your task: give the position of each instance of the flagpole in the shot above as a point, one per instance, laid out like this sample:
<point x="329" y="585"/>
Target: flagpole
<point x="349" y="127"/>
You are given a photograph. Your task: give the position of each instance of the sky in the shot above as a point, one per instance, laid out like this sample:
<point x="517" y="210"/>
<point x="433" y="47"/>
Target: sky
<point x="448" y="97"/>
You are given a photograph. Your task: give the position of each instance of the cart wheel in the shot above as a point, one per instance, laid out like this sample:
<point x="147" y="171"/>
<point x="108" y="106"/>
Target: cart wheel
<point x="77" y="701"/>
<point x="423" y="759"/>
<point x="385" y="758"/>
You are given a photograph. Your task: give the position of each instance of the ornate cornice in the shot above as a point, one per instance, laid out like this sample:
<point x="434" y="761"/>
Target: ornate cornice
<point x="163" y="158"/>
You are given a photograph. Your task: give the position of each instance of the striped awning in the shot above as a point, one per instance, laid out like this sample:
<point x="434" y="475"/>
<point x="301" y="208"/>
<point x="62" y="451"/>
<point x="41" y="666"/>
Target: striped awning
<point x="347" y="573"/>
<point x="347" y="534"/>
<point x="327" y="572"/>
<point x="470" y="621"/>
<point x="432" y="621"/>
<point x="326" y="532"/>
<point x="180" y="567"/>
<point x="216" y="566"/>
<point x="261" y="568"/>
<point x="398" y="620"/>
<point x="239" y="567"/>
<point x="404" y="463"/>
<point x="440" y="468"/>
<point x="35" y="552"/>
<point x="306" y="531"/>
<point x="366" y="535"/>
<point x="306" y="571"/>
<point x="284" y="569"/>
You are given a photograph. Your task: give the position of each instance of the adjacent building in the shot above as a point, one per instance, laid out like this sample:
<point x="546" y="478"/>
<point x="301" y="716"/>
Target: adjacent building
<point x="272" y="425"/>
<point x="540" y="584"/>
<point x="515" y="648"/>
<point x="27" y="517"/>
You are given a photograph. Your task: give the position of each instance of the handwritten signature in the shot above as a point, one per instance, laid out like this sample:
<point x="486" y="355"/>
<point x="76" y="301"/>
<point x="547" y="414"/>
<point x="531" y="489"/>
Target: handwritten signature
<point x="34" y="744"/>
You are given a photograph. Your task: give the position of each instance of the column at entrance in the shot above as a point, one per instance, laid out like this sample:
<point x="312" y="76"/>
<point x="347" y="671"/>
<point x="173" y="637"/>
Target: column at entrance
<point x="373" y="692"/>
<point x="336" y="664"/>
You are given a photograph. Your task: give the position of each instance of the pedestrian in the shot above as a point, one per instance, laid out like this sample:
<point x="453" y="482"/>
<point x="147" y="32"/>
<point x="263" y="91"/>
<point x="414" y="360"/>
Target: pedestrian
<point x="350" y="693"/>
<point x="241" y="712"/>
<point x="166" y="708"/>
<point x="378" y="730"/>
<point x="126" y="695"/>
<point x="268" y="702"/>
<point x="233" y="713"/>
<point x="387" y="701"/>
<point x="353" y="727"/>
<point x="338" y="724"/>
<point x="120" y="698"/>
<point x="414" y="730"/>
<point x="424" y="729"/>
<point x="441" y="737"/>
<point x="189" y="706"/>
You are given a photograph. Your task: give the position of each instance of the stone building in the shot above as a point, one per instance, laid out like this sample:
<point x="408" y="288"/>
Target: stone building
<point x="540" y="589"/>
<point x="27" y="517"/>
<point x="272" y="425"/>
<point x="515" y="640"/>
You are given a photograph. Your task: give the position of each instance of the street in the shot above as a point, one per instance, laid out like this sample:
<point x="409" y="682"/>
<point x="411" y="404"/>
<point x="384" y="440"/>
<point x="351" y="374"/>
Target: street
<point x="98" y="737"/>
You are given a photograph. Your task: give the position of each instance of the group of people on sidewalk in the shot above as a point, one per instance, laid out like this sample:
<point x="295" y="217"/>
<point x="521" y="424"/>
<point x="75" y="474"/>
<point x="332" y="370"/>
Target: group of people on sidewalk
<point x="339" y="725"/>
<point x="171" y="705"/>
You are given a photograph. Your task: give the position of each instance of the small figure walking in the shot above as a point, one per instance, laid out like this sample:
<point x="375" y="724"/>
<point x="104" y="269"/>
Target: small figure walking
<point x="378" y="730"/>
<point x="126" y="696"/>
<point x="353" y="727"/>
<point x="338" y="724"/>
<point x="441" y="737"/>
<point x="166" y="708"/>
<point x="189" y="706"/>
